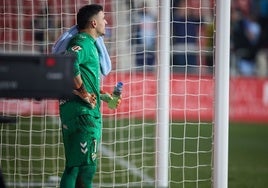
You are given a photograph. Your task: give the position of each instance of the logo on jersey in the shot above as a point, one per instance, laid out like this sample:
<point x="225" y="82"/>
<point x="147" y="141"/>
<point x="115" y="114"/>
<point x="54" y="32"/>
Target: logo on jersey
<point x="83" y="147"/>
<point x="76" y="48"/>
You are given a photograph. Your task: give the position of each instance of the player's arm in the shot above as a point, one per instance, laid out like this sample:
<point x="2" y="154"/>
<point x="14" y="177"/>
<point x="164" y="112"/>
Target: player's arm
<point x="79" y="90"/>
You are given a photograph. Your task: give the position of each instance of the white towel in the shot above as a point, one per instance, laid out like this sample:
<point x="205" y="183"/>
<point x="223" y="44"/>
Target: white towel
<point x="61" y="44"/>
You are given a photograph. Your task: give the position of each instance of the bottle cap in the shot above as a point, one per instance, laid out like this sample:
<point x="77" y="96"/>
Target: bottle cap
<point x="119" y="84"/>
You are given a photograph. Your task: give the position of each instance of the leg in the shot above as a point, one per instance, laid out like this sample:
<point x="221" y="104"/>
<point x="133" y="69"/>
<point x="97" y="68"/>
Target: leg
<point x="150" y="58"/>
<point x="81" y="138"/>
<point x="90" y="128"/>
<point x="85" y="177"/>
<point x="69" y="176"/>
<point x="192" y="65"/>
<point x="179" y="63"/>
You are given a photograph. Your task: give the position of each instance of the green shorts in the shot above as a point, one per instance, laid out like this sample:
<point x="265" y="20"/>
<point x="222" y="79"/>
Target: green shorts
<point x="81" y="138"/>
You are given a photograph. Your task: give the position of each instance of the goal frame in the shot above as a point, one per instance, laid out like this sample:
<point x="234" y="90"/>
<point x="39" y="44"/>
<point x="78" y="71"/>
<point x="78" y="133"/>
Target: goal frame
<point x="222" y="72"/>
<point x="221" y="107"/>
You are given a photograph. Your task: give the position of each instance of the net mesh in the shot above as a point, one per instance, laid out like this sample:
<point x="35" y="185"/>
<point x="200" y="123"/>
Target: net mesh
<point x="31" y="150"/>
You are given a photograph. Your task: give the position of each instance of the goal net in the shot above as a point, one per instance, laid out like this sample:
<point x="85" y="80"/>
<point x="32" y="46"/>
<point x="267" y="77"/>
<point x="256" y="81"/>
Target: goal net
<point x="31" y="149"/>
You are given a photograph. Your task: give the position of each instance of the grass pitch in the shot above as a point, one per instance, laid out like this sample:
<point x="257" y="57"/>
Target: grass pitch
<point x="248" y="155"/>
<point x="25" y="157"/>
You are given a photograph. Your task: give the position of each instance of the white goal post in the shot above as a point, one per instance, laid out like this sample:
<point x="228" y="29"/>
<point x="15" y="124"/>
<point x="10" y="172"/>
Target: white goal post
<point x="222" y="73"/>
<point x="171" y="129"/>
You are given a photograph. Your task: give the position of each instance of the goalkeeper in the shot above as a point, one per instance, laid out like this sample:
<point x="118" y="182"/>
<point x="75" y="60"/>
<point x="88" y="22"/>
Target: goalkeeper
<point x="81" y="116"/>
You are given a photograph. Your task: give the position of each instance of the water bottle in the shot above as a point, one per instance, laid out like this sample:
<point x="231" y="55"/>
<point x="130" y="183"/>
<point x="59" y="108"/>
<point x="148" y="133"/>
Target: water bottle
<point x="116" y="95"/>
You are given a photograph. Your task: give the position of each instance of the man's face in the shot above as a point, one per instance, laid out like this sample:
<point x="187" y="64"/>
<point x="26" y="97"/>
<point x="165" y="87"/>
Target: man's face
<point x="100" y="23"/>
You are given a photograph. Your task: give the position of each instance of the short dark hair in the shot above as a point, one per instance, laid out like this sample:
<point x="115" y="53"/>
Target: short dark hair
<point x="86" y="13"/>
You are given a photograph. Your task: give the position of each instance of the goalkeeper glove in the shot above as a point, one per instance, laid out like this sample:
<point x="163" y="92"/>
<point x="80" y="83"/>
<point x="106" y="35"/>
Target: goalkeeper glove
<point x="106" y="97"/>
<point x="89" y="98"/>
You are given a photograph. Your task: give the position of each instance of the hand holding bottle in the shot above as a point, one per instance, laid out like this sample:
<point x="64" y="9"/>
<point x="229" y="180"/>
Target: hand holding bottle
<point x="116" y="96"/>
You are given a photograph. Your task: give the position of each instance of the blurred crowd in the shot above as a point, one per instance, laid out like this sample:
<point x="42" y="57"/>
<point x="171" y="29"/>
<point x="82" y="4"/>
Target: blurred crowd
<point x="249" y="37"/>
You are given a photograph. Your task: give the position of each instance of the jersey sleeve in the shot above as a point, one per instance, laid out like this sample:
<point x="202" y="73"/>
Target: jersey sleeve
<point x="80" y="55"/>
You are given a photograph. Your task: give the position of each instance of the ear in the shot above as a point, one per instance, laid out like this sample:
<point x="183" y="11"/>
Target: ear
<point x="93" y="23"/>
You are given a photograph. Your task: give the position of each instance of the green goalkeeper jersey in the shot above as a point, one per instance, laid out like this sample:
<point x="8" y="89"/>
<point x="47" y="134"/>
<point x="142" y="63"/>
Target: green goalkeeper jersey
<point x="88" y="66"/>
